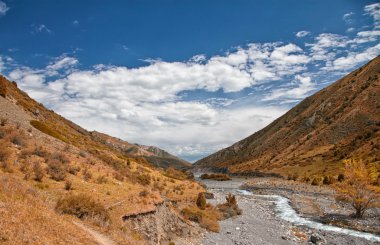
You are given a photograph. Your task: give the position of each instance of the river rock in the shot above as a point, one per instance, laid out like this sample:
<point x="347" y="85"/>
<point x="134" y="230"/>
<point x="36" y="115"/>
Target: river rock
<point x="316" y="238"/>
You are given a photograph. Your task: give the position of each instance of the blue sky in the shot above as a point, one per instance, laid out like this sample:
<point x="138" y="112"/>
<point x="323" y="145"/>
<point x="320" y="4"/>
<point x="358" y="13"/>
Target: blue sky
<point x="190" y="77"/>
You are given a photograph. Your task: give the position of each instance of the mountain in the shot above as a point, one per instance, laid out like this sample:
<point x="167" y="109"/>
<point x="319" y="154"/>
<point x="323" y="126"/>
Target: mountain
<point x="152" y="154"/>
<point x="340" y="121"/>
<point x="50" y="166"/>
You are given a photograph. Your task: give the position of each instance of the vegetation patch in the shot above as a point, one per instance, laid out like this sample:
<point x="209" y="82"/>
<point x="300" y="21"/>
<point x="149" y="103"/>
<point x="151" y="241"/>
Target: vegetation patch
<point x="83" y="207"/>
<point x="217" y="176"/>
<point x="47" y="130"/>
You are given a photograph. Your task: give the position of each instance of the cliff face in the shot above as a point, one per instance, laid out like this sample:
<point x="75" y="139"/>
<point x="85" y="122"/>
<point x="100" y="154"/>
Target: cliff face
<point x="340" y="121"/>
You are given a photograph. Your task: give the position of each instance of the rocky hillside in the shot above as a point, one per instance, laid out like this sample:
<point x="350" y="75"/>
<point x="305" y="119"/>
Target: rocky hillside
<point x="340" y="121"/>
<point x="60" y="184"/>
<point x="152" y="154"/>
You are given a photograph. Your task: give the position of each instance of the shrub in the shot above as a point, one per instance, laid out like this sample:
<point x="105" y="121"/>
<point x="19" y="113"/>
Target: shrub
<point x="68" y="185"/>
<point x="56" y="171"/>
<point x="74" y="170"/>
<point x="38" y="172"/>
<point x="340" y="177"/>
<point x="5" y="153"/>
<point x="217" y="176"/>
<point x="83" y="207"/>
<point x="87" y="175"/>
<point x="143" y="179"/>
<point x="230" y="208"/>
<point x="101" y="179"/>
<point x="3" y="121"/>
<point x="201" y="201"/>
<point x="40" y="151"/>
<point x="18" y="139"/>
<point x="327" y="180"/>
<point x="144" y="193"/>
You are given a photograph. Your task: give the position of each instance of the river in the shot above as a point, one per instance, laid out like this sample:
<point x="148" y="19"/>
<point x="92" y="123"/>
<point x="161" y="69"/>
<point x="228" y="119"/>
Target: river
<point x="270" y="219"/>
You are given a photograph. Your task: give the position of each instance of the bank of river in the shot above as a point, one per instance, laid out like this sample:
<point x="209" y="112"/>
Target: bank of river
<point x="271" y="220"/>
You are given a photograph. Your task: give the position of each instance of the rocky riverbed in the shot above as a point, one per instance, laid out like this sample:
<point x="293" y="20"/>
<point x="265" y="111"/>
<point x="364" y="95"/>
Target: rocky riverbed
<point x="261" y="223"/>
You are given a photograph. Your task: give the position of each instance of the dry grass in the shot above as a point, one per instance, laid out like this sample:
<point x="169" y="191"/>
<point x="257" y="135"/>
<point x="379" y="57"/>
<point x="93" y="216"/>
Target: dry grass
<point x="208" y="218"/>
<point x="26" y="219"/>
<point x="83" y="207"/>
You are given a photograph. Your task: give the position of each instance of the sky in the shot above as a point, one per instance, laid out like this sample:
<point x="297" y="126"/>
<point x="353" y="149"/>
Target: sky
<point x="191" y="77"/>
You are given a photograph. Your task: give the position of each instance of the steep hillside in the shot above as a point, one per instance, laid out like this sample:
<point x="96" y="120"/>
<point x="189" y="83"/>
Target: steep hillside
<point x="340" y="121"/>
<point x="154" y="155"/>
<point x="55" y="174"/>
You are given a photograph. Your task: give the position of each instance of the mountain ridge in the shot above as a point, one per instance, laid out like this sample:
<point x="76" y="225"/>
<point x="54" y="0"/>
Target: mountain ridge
<point x="339" y="121"/>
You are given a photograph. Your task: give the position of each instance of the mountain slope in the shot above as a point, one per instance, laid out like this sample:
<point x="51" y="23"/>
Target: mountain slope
<point x="340" y="121"/>
<point x="152" y="154"/>
<point x="50" y="166"/>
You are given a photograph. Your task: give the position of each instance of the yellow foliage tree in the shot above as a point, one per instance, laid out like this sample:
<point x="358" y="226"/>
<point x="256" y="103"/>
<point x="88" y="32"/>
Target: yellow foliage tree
<point x="356" y="187"/>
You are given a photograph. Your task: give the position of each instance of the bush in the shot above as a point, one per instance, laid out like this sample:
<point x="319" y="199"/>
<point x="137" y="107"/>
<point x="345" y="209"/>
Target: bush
<point x="340" y="177"/>
<point x="230" y="208"/>
<point x="218" y="177"/>
<point x="83" y="207"/>
<point x="74" y="170"/>
<point x="40" y="151"/>
<point x="144" y="193"/>
<point x="3" y="121"/>
<point x="38" y="172"/>
<point x="327" y="180"/>
<point x="68" y="185"/>
<point x="201" y="201"/>
<point x="101" y="179"/>
<point x="143" y="179"/>
<point x="87" y="175"/>
<point x="56" y="171"/>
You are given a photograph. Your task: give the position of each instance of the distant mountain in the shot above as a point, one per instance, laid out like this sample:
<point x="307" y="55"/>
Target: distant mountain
<point x="340" y="121"/>
<point x="152" y="154"/>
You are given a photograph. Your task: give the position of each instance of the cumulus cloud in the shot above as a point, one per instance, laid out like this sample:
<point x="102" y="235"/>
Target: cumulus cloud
<point x="295" y="90"/>
<point x="3" y="8"/>
<point x="302" y="33"/>
<point x="374" y="11"/>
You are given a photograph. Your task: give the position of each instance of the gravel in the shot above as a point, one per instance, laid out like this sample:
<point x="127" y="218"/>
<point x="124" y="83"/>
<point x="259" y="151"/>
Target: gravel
<point x="259" y="223"/>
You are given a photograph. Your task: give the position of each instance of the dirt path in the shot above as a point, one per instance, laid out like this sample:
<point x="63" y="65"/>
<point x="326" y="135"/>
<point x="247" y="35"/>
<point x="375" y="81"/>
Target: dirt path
<point x="98" y="237"/>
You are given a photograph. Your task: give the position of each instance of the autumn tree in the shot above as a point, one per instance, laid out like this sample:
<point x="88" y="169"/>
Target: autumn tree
<point x="356" y="187"/>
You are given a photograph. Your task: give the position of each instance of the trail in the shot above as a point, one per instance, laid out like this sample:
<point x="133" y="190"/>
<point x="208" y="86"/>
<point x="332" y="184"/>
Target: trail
<point x="99" y="238"/>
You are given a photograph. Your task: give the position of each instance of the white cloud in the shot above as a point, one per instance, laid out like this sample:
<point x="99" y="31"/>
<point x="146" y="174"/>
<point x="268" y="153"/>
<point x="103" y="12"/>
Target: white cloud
<point x="302" y="88"/>
<point x="3" y="8"/>
<point x="40" y="28"/>
<point x="351" y="29"/>
<point x="348" y="17"/>
<point x="374" y="11"/>
<point x="302" y="33"/>
<point x="353" y="59"/>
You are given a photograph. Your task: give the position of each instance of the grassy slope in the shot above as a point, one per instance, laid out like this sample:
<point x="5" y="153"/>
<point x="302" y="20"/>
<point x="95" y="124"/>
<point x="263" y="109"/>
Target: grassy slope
<point x="340" y="121"/>
<point x="117" y="179"/>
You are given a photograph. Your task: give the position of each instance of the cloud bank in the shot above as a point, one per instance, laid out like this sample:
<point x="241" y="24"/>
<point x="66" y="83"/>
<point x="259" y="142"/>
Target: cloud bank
<point x="243" y="90"/>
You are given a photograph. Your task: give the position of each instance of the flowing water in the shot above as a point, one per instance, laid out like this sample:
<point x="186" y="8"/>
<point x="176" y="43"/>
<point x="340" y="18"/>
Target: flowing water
<point x="285" y="211"/>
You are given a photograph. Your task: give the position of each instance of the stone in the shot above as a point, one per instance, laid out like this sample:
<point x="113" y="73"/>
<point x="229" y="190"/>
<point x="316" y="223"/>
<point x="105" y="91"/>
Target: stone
<point x="315" y="238"/>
